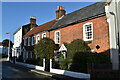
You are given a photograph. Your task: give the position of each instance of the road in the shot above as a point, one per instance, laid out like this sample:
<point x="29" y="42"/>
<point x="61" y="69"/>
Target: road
<point x="15" y="72"/>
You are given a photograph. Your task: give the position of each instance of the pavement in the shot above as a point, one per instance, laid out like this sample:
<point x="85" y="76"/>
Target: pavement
<point x="52" y="76"/>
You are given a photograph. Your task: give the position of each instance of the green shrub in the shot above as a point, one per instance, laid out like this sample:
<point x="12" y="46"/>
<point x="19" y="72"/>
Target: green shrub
<point x="81" y="59"/>
<point x="19" y="59"/>
<point x="45" y="48"/>
<point x="32" y="61"/>
<point x="79" y="62"/>
<point x="55" y="64"/>
<point x="76" y="46"/>
<point x="98" y="58"/>
<point x="40" y="61"/>
<point x="64" y="64"/>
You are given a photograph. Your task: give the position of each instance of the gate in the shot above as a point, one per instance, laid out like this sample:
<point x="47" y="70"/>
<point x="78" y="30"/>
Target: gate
<point x="47" y="65"/>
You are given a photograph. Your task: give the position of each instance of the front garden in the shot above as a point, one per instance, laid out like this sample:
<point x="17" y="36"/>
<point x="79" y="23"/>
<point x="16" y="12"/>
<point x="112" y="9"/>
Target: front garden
<point x="77" y="58"/>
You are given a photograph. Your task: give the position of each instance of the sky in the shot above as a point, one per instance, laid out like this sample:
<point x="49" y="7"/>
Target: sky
<point x="16" y="14"/>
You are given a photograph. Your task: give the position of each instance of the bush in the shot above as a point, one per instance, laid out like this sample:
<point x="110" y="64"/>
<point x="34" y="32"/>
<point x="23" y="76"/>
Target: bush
<point x="19" y="59"/>
<point x="55" y="64"/>
<point x="45" y="48"/>
<point x="81" y="59"/>
<point x="64" y="64"/>
<point x="79" y="62"/>
<point x="98" y="58"/>
<point x="76" y="46"/>
<point x="32" y="61"/>
<point x="40" y="61"/>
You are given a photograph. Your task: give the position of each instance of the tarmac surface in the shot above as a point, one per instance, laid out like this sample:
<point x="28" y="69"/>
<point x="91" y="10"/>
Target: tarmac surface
<point x="10" y="71"/>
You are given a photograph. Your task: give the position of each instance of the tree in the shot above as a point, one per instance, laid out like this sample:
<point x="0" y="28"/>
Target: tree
<point x="6" y="43"/>
<point x="45" y="48"/>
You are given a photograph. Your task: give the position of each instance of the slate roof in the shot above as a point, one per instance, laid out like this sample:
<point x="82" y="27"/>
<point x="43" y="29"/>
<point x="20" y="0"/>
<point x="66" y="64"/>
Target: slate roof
<point x="43" y="27"/>
<point x="80" y="15"/>
<point x="22" y="26"/>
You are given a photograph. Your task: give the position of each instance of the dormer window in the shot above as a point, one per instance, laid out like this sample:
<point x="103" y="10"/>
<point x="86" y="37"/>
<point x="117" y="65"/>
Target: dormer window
<point x="88" y="31"/>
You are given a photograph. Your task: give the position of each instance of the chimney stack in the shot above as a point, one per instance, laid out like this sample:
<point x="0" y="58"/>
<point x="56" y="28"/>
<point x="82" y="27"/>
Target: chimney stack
<point x="32" y="22"/>
<point x="32" y="19"/>
<point x="60" y="12"/>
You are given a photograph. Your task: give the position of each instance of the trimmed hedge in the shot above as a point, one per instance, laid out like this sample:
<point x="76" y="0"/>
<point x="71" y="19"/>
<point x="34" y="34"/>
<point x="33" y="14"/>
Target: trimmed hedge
<point x="34" y="61"/>
<point x="79" y="56"/>
<point x="76" y="46"/>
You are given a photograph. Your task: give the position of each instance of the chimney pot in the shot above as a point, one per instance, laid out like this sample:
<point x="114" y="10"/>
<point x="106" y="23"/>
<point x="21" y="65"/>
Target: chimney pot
<point x="60" y="12"/>
<point x="32" y="19"/>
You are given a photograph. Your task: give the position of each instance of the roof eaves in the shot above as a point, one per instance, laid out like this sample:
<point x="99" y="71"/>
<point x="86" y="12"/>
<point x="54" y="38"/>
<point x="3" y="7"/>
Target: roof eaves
<point x="79" y="21"/>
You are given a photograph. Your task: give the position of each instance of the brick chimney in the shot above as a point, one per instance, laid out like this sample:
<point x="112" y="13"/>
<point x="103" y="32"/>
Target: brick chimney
<point x="32" y="19"/>
<point x="60" y="12"/>
<point x="32" y="22"/>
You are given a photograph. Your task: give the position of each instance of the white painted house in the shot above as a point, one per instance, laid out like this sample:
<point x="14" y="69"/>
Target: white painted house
<point x="17" y="43"/>
<point x="18" y="37"/>
<point x="113" y="18"/>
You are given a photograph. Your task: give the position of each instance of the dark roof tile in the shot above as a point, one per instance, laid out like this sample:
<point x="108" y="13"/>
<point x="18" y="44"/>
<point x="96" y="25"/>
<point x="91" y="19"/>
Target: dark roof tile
<point x="81" y="14"/>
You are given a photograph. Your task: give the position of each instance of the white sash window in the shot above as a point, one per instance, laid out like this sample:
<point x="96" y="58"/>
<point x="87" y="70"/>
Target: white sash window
<point x="57" y="37"/>
<point x="88" y="31"/>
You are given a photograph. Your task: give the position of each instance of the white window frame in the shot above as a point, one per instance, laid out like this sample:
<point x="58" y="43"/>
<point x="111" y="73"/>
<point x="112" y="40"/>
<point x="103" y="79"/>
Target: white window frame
<point x="43" y="35"/>
<point x="84" y="32"/>
<point x="33" y="40"/>
<point x="28" y="41"/>
<point x="37" y="39"/>
<point x="56" y="41"/>
<point x="24" y="41"/>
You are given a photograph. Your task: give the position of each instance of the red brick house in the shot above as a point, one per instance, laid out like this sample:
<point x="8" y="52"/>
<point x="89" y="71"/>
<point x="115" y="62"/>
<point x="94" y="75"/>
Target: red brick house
<point x="33" y="36"/>
<point x="89" y="24"/>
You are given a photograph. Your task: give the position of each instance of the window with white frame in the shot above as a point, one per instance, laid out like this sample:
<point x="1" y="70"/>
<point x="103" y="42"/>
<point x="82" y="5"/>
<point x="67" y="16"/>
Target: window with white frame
<point x="57" y="37"/>
<point x="32" y="40"/>
<point x="24" y="41"/>
<point x="37" y="38"/>
<point x="28" y="41"/>
<point x="43" y="35"/>
<point x="88" y="31"/>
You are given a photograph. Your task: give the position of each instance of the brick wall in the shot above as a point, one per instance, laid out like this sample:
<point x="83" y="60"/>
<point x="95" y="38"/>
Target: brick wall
<point x="100" y="34"/>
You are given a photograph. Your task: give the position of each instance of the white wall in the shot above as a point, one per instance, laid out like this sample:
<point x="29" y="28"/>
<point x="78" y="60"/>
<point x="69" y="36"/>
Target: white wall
<point x="18" y="38"/>
<point x="113" y="30"/>
<point x="17" y="42"/>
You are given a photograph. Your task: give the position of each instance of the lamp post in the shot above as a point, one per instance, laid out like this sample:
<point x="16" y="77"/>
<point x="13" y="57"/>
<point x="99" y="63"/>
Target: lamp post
<point x="8" y="58"/>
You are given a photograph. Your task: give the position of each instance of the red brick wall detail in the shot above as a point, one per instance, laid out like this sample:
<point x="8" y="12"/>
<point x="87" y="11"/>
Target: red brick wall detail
<point x="100" y="34"/>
